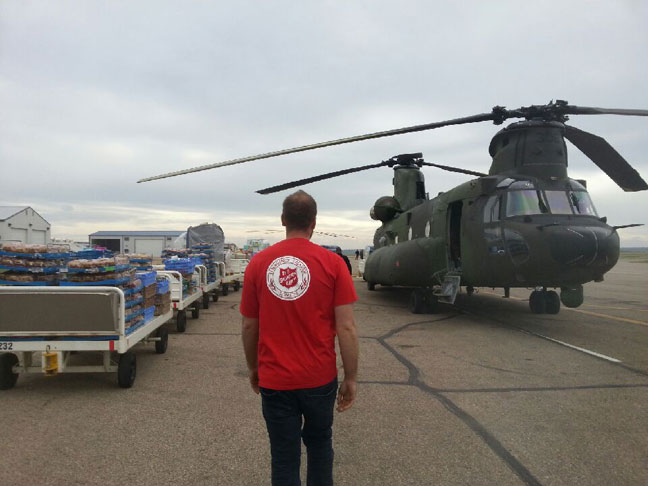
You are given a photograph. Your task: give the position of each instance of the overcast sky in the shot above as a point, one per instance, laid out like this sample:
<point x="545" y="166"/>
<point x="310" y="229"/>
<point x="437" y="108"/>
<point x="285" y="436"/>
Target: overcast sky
<point x="95" y="95"/>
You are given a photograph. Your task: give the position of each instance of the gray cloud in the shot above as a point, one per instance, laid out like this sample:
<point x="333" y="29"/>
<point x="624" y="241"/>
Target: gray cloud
<point x="96" y="95"/>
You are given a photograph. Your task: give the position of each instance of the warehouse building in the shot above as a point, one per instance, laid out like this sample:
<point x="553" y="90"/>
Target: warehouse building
<point x="23" y="224"/>
<point x="147" y="242"/>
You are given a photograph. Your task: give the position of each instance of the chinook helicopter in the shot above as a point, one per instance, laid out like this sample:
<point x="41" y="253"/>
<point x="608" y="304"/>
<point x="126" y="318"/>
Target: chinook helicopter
<point x="524" y="224"/>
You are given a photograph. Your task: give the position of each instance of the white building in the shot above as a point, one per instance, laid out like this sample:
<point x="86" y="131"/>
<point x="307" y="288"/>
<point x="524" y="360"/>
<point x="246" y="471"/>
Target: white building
<point x="147" y="242"/>
<point x="23" y="224"/>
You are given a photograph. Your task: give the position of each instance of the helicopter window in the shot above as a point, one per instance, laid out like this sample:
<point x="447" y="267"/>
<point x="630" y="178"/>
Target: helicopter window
<point x="409" y="234"/>
<point x="427" y="229"/>
<point x="558" y="202"/>
<point x="582" y="203"/>
<point x="492" y="209"/>
<point x="396" y="239"/>
<point x="520" y="203"/>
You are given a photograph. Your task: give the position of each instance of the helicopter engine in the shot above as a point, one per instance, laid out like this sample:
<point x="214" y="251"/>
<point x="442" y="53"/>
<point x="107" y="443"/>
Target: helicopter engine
<point x="385" y="209"/>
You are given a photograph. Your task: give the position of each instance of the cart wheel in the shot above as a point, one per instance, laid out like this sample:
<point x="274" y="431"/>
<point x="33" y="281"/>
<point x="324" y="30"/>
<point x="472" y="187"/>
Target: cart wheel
<point x="195" y="310"/>
<point x="215" y="296"/>
<point x="181" y="321"/>
<point x="237" y="286"/>
<point x="205" y="301"/>
<point x="127" y="369"/>
<point x="8" y="378"/>
<point x="225" y="289"/>
<point x="163" y="343"/>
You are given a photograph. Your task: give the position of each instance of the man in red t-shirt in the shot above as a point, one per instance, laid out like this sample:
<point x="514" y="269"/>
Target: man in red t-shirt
<point x="297" y="296"/>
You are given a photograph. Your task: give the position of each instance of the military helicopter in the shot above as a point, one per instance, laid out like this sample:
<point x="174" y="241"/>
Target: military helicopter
<point x="524" y="224"/>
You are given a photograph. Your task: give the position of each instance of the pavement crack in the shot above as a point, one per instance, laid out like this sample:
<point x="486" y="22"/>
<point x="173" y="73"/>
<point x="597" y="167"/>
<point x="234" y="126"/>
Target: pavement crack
<point x="471" y="422"/>
<point x="542" y="388"/>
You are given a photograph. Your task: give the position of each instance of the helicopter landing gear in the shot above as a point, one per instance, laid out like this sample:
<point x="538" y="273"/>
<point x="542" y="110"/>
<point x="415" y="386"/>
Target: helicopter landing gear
<point x="470" y="290"/>
<point x="544" y="302"/>
<point x="423" y="301"/>
<point x="571" y="296"/>
<point x="371" y="286"/>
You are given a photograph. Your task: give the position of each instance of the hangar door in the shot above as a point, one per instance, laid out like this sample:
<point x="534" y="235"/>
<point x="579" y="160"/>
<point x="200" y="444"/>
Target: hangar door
<point x="18" y="234"/>
<point x="149" y="246"/>
<point x="38" y="236"/>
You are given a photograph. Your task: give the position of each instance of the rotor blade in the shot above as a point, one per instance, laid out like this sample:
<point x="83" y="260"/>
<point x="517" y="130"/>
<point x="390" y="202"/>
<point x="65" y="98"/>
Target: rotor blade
<point x="340" y="141"/>
<point x="608" y="159"/>
<point x="455" y="169"/>
<point x="588" y="110"/>
<point x="308" y="180"/>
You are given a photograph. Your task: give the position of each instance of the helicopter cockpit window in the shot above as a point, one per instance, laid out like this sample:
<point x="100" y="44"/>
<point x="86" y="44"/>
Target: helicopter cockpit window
<point x="522" y="203"/>
<point x="427" y="229"/>
<point x="558" y="202"/>
<point x="582" y="203"/>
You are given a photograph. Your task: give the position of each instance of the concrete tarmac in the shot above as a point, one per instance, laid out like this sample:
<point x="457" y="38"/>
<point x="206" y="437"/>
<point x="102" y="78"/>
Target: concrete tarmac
<point x="481" y="393"/>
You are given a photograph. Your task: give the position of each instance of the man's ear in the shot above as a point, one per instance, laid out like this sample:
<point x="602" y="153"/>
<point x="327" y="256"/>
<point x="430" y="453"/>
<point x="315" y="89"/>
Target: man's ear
<point x="283" y="220"/>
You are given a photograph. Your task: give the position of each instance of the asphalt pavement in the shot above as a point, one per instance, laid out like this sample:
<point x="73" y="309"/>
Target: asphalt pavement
<point x="481" y="393"/>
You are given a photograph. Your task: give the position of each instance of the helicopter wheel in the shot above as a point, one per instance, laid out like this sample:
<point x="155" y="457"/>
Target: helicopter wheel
<point x="431" y="303"/>
<point x="418" y="302"/>
<point x="552" y="302"/>
<point x="537" y="302"/>
<point x="470" y="290"/>
<point x="571" y="297"/>
<point x="371" y="286"/>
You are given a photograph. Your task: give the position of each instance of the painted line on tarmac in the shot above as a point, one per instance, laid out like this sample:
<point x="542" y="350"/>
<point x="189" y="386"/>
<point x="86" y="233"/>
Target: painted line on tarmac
<point x="594" y="314"/>
<point x="607" y="316"/>
<point x="582" y="350"/>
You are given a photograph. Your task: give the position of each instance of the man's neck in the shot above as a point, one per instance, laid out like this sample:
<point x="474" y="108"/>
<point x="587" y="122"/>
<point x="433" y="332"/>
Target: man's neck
<point x="298" y="234"/>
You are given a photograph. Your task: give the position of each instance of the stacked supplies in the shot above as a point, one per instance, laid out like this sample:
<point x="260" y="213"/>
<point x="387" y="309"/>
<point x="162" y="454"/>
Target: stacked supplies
<point x="24" y="264"/>
<point x="141" y="262"/>
<point x="93" y="253"/>
<point x="98" y="271"/>
<point x="173" y="252"/>
<point x="207" y="253"/>
<point x="149" y="292"/>
<point x="186" y="268"/>
<point x="162" y="297"/>
<point x="110" y="271"/>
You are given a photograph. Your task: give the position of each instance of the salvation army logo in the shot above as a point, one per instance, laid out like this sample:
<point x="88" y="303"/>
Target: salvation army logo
<point x="288" y="278"/>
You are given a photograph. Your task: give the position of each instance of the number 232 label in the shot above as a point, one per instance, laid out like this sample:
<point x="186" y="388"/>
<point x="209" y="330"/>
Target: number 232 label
<point x="5" y="346"/>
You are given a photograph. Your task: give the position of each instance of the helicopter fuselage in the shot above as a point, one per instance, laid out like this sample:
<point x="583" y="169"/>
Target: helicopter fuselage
<point x="497" y="232"/>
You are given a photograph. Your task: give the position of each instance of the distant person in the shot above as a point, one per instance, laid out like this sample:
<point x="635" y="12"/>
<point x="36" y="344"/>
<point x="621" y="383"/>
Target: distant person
<point x="296" y="297"/>
<point x="338" y="250"/>
<point x="357" y="254"/>
<point x="361" y="254"/>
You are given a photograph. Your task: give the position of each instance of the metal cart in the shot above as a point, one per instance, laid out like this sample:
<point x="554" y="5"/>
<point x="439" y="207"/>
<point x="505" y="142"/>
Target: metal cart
<point x="234" y="275"/>
<point x="211" y="288"/>
<point x="183" y="302"/>
<point x="52" y="323"/>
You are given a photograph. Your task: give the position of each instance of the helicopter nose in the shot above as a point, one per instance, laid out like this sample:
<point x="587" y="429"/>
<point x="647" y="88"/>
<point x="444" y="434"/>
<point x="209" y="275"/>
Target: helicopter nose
<point x="585" y="246"/>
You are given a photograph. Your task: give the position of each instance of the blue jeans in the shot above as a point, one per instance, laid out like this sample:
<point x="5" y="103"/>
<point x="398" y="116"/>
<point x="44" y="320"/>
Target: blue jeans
<point x="283" y="411"/>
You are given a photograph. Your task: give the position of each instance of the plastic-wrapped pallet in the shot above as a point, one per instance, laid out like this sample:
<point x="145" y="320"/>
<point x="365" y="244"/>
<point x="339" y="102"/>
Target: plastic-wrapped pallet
<point x="23" y="264"/>
<point x="186" y="268"/>
<point x="141" y="262"/>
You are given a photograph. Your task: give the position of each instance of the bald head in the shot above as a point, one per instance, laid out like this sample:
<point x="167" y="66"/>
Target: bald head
<point x="299" y="211"/>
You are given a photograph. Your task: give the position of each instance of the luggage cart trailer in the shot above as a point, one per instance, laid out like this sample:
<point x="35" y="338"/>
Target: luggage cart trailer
<point x="180" y="302"/>
<point x="234" y="276"/>
<point x="54" y="322"/>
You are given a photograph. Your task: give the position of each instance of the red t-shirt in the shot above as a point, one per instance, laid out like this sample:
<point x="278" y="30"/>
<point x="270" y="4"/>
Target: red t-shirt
<point x="293" y="288"/>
